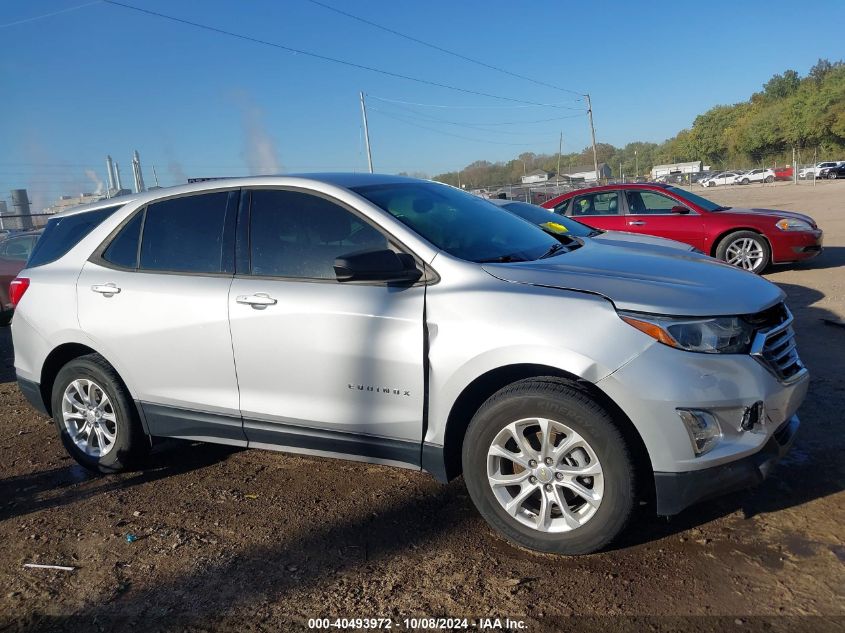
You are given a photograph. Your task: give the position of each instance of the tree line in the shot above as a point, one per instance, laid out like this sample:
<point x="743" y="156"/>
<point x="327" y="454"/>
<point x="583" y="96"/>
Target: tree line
<point x="805" y="113"/>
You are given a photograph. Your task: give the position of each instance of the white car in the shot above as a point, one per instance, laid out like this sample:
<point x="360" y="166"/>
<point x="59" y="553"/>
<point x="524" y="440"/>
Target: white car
<point x="810" y="172"/>
<point x="722" y="178"/>
<point x="398" y="321"/>
<point x="755" y="175"/>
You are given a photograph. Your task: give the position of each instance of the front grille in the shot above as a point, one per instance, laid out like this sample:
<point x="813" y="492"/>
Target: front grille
<point x="774" y="344"/>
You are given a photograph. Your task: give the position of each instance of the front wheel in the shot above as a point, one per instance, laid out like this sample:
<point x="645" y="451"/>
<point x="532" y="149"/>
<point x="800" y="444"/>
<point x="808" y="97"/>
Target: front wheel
<point x="744" y="181"/>
<point x="711" y="183"/>
<point x="95" y="416"/>
<point x="745" y="249"/>
<point x="831" y="176"/>
<point x="547" y="467"/>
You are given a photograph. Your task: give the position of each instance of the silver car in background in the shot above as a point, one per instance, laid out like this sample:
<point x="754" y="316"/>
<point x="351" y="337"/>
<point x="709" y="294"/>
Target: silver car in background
<point x="405" y="322"/>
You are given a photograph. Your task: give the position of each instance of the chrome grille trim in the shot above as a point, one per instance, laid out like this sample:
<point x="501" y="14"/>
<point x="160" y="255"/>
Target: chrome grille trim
<point x="775" y="349"/>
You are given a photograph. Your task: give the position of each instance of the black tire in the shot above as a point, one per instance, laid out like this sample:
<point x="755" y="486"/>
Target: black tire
<point x="724" y="245"/>
<point x="770" y="179"/>
<point x="744" y="181"/>
<point x="710" y="183"/>
<point x="832" y="176"/>
<point x="131" y="445"/>
<point x="553" y="399"/>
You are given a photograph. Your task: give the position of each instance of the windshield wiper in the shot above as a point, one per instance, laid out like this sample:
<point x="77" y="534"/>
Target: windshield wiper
<point x="721" y="208"/>
<point x="552" y="250"/>
<point x="502" y="259"/>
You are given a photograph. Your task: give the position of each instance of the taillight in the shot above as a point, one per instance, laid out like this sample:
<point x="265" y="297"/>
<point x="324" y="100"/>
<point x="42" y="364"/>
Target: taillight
<point x="17" y="289"/>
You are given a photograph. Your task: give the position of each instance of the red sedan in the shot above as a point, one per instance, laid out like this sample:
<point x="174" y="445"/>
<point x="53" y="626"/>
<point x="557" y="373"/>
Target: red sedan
<point x="749" y="238"/>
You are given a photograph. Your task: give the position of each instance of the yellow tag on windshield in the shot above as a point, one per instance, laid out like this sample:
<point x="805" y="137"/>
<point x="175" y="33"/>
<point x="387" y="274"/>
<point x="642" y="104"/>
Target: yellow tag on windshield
<point x="554" y="226"/>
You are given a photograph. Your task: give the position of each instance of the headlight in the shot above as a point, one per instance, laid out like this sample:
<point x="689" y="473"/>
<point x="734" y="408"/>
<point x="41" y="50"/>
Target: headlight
<point x="717" y="335"/>
<point x="793" y="224"/>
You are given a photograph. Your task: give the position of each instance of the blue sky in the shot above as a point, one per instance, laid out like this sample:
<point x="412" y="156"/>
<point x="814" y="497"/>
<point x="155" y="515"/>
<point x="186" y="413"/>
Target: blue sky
<point x="105" y="80"/>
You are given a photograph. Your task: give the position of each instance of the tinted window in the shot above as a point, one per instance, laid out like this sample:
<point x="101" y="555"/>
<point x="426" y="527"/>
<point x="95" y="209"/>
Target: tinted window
<point x="63" y="233"/>
<point x="123" y="250"/>
<point x="295" y="234"/>
<point x="704" y="203"/>
<point x="461" y="224"/>
<point x="645" y="202"/>
<point x="605" y="203"/>
<point x="185" y="234"/>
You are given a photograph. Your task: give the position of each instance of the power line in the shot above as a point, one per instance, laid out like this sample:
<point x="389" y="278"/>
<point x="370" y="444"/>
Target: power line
<point x="431" y="129"/>
<point x="48" y="15"/>
<point x="326" y="58"/>
<point x="481" y="125"/>
<point x="444" y="50"/>
<point x="474" y="107"/>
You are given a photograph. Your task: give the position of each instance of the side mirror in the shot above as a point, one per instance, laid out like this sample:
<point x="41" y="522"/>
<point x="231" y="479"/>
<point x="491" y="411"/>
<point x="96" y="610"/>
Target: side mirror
<point x="680" y="209"/>
<point x="380" y="265"/>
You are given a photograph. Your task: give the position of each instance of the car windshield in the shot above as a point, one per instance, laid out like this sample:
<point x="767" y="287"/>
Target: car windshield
<point x="542" y="218"/>
<point x="461" y="224"/>
<point x="704" y="203"/>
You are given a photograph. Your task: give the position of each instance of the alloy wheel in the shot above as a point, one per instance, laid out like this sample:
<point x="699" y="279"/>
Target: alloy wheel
<point x="545" y="475"/>
<point x="745" y="253"/>
<point x="89" y="417"/>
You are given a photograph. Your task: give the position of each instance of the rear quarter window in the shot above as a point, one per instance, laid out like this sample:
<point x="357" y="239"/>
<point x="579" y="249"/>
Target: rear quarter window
<point x="63" y="233"/>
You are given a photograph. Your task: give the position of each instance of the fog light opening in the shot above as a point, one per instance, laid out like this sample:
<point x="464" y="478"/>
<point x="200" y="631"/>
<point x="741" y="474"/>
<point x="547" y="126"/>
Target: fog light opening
<point x="703" y="428"/>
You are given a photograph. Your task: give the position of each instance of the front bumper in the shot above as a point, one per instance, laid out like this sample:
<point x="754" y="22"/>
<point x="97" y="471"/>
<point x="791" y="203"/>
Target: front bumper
<point x="795" y="246"/>
<point x="676" y="491"/>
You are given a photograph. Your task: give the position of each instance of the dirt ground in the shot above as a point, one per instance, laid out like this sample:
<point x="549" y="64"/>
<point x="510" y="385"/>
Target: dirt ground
<point x="231" y="539"/>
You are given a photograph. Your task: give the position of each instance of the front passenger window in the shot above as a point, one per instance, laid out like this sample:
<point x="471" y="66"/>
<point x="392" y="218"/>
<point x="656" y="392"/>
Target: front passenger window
<point x="299" y="235"/>
<point x="606" y="203"/>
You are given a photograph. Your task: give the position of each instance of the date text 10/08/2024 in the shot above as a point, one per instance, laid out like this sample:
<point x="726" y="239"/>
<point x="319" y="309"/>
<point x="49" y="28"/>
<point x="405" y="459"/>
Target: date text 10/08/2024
<point x="448" y="624"/>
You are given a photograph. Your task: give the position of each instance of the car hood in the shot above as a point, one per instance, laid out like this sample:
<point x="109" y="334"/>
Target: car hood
<point x="623" y="238"/>
<point x="771" y="212"/>
<point x="664" y="281"/>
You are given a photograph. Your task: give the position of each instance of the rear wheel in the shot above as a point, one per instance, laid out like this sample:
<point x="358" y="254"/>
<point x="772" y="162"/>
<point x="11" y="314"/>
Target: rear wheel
<point x="770" y="179"/>
<point x="95" y="416"/>
<point x="546" y="467"/>
<point x="745" y="249"/>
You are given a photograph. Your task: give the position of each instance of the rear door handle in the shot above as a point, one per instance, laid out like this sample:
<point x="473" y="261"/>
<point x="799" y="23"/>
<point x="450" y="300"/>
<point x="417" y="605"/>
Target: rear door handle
<point x="259" y="300"/>
<point x="637" y="223"/>
<point x="107" y="290"/>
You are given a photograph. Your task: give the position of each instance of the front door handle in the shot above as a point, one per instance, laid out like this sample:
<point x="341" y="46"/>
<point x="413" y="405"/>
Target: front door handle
<point x="107" y="290"/>
<point x="637" y="223"/>
<point x="259" y="300"/>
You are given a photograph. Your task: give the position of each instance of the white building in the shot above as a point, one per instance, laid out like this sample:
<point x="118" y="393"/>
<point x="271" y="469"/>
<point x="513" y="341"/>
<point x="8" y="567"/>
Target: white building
<point x="587" y="173"/>
<point x="676" y="168"/>
<point x="538" y="175"/>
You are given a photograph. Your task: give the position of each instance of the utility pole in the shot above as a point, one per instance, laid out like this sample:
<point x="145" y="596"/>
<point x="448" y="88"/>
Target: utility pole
<point x="366" y="132"/>
<point x="559" y="152"/>
<point x="593" y="134"/>
<point x="637" y="164"/>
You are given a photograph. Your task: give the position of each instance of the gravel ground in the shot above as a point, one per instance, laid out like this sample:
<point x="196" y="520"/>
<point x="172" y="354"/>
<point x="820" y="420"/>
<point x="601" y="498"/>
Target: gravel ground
<point x="254" y="541"/>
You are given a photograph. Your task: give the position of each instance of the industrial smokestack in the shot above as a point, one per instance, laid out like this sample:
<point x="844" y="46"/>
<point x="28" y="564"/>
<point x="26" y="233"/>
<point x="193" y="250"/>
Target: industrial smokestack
<point x="20" y="205"/>
<point x="117" y="176"/>
<point x="110" y="170"/>
<point x="136" y="172"/>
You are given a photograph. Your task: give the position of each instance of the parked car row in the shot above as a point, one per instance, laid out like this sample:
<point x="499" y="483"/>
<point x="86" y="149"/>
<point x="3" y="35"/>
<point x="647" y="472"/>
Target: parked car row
<point x="817" y="169"/>
<point x="738" y="177"/>
<point x="15" y="248"/>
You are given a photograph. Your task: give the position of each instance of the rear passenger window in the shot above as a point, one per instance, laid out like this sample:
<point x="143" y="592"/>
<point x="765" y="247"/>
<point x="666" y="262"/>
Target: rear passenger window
<point x="296" y="234"/>
<point x="186" y="234"/>
<point x="123" y="250"/>
<point x="63" y="233"/>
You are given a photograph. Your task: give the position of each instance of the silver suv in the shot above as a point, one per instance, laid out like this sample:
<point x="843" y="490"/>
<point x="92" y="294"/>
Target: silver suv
<point x="405" y="322"/>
